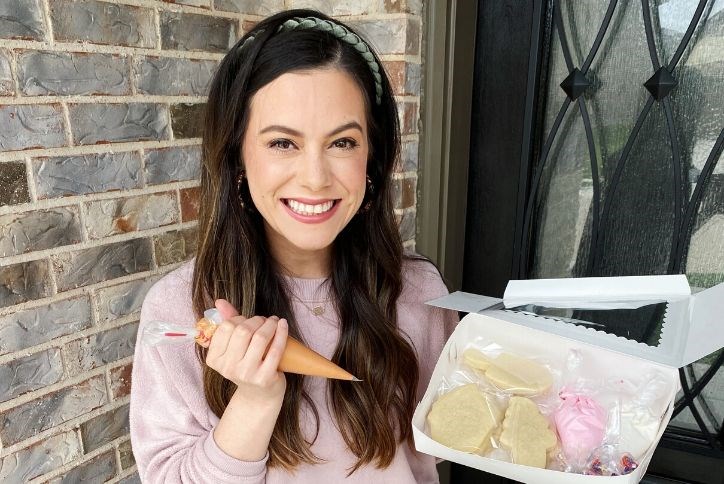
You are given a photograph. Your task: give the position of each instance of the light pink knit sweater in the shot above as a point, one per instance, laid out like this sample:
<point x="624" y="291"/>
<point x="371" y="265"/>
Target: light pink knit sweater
<point x="171" y="423"/>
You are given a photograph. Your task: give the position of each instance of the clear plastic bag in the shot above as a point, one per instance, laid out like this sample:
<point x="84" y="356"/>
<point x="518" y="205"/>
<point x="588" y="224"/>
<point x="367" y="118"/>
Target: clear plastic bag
<point x="162" y="333"/>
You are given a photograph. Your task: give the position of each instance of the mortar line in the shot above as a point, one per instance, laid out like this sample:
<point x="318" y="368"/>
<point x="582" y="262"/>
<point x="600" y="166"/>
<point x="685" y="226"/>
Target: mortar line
<point x="48" y="21"/>
<point x="109" y="148"/>
<point x="127" y="237"/>
<point x="157" y="25"/>
<point x="78" y="99"/>
<point x="14" y="73"/>
<point x="59" y="343"/>
<point x="58" y="202"/>
<point x="81" y="291"/>
<point x="30" y="177"/>
<point x="87" y="47"/>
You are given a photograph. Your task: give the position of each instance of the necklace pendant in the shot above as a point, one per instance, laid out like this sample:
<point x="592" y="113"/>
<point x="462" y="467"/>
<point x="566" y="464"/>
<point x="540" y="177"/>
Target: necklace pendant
<point x="318" y="310"/>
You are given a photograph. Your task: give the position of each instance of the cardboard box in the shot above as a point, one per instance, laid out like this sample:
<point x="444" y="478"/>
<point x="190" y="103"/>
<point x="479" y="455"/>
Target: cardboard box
<point x="693" y="327"/>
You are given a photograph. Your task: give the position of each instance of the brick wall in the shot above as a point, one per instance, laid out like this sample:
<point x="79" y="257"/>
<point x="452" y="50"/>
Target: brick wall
<point x="99" y="161"/>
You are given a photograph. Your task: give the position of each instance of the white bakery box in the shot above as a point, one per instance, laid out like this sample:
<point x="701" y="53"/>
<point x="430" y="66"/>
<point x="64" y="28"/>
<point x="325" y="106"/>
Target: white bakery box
<point x="693" y="327"/>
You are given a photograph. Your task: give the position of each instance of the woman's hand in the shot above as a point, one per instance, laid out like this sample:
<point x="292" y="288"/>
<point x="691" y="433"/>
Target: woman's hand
<point x="247" y="352"/>
<point x="238" y="351"/>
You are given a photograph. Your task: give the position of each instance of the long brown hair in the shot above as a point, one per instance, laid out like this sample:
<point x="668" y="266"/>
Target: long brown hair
<point x="233" y="259"/>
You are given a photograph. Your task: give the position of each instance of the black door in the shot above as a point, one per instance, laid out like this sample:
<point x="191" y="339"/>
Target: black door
<point x="596" y="144"/>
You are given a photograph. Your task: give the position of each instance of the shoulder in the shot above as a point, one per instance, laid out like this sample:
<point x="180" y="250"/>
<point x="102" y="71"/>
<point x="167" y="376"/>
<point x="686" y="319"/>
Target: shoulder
<point x="421" y="280"/>
<point x="169" y="298"/>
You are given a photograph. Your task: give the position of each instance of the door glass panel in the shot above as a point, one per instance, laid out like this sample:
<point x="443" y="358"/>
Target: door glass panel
<point x="652" y="201"/>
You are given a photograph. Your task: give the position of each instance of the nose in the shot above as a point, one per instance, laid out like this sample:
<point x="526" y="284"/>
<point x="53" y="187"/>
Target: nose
<point x="314" y="171"/>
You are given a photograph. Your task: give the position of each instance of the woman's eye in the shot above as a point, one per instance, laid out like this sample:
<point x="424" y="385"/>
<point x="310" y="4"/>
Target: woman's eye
<point x="345" y="143"/>
<point x="281" y="144"/>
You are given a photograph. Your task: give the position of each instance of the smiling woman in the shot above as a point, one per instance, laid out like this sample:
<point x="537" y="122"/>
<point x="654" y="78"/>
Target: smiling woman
<point x="297" y="237"/>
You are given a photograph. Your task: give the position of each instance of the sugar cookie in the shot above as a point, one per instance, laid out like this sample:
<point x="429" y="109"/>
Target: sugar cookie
<point x="464" y="418"/>
<point x="526" y="433"/>
<point x="510" y="373"/>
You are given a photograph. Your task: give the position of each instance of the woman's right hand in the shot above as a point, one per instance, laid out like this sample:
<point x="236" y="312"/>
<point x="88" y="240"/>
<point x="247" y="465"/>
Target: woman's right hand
<point x="238" y="351"/>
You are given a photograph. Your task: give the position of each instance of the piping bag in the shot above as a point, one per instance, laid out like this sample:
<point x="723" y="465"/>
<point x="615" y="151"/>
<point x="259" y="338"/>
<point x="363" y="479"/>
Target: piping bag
<point x="296" y="358"/>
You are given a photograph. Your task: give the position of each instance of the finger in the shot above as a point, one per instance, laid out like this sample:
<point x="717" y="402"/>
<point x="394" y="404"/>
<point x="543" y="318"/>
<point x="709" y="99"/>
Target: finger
<point x="220" y="340"/>
<point x="260" y="341"/>
<point x="226" y="309"/>
<point x="241" y="336"/>
<point x="270" y="365"/>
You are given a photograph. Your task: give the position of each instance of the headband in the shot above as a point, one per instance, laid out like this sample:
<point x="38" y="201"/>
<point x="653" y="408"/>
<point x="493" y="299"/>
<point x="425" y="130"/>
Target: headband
<point x="341" y="33"/>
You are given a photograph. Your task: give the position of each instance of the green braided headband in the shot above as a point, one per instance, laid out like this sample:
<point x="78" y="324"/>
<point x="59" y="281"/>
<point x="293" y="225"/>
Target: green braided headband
<point x="340" y="32"/>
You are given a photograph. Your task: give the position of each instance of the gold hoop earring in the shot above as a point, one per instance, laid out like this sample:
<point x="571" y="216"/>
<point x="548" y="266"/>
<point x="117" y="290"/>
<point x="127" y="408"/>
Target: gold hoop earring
<point x="240" y="189"/>
<point x="369" y="194"/>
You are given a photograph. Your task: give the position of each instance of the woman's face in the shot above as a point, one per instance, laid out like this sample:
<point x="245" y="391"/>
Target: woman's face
<point x="305" y="154"/>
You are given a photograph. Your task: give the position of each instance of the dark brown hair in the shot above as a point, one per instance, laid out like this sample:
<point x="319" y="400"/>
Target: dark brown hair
<point x="233" y="260"/>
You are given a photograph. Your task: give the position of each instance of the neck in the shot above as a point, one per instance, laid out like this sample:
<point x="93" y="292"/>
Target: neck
<point x="313" y="264"/>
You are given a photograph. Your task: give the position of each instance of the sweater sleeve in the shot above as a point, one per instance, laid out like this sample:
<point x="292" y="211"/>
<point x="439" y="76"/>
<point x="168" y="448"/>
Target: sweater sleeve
<point x="171" y="433"/>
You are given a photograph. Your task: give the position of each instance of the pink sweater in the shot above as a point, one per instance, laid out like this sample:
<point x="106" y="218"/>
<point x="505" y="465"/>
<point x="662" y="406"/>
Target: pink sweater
<point x="171" y="423"/>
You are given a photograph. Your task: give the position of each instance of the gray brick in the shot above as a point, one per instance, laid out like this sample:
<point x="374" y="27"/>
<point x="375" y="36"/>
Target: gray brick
<point x="251" y="7"/>
<point x="389" y="36"/>
<point x="7" y="86"/>
<point x="410" y="156"/>
<point x="104" y="428"/>
<point x="59" y="73"/>
<point x="97" y="470"/>
<point x="78" y="175"/>
<point x="103" y="23"/>
<point x="40" y="458"/>
<point x="29" y="419"/>
<point x="122" y="299"/>
<point x="413" y="77"/>
<point x="175" y="246"/>
<point x="173" y="164"/>
<point x="100" y="349"/>
<point x="121" y="215"/>
<point x="132" y="479"/>
<point x="407" y="226"/>
<point x="343" y="7"/>
<point x="185" y="31"/>
<point x="174" y="77"/>
<point x="23" y="329"/>
<point x="43" y="229"/>
<point x="22" y="19"/>
<point x="108" y="123"/>
<point x="415" y="6"/>
<point x="27" y="126"/>
<point x="24" y="282"/>
<point x="187" y="120"/>
<point x="13" y="184"/>
<point x="30" y="373"/>
<point x="193" y="3"/>
<point x="88" y="266"/>
<point x="126" y="453"/>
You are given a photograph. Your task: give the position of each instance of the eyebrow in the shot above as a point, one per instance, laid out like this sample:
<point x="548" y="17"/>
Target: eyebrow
<point x="294" y="132"/>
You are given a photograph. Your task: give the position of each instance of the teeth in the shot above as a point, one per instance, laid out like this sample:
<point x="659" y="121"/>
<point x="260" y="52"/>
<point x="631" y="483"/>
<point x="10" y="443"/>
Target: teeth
<point x="304" y="209"/>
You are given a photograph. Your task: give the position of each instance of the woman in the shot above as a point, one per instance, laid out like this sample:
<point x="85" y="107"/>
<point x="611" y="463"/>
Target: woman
<point x="300" y="142"/>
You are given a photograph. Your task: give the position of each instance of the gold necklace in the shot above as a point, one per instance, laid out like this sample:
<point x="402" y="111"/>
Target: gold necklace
<point x="317" y="308"/>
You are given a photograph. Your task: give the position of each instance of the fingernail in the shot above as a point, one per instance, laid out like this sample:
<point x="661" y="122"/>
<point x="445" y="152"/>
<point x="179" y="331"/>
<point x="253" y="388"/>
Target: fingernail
<point x="283" y="323"/>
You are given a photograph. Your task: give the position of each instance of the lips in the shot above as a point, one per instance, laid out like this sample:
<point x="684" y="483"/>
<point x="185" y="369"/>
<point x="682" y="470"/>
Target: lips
<point x="309" y="209"/>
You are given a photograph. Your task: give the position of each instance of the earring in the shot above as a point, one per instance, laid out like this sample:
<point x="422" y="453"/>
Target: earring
<point x="240" y="188"/>
<point x="369" y="193"/>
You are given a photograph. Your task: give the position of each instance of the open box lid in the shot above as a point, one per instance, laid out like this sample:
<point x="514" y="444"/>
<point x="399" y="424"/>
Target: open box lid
<point x="689" y="326"/>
